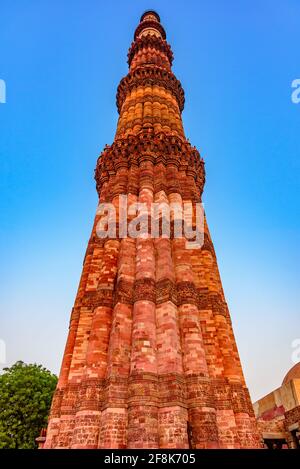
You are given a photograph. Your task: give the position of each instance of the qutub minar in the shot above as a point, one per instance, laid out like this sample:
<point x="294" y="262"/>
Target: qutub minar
<point x="151" y="359"/>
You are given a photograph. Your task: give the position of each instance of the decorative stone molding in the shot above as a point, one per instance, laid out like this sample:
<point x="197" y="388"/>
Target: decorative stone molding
<point x="186" y="293"/>
<point x="166" y="149"/>
<point x="150" y="42"/>
<point x="149" y="25"/>
<point x="144" y="289"/>
<point x="143" y="76"/>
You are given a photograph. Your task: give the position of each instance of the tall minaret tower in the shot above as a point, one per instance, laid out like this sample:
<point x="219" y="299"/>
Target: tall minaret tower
<point x="151" y="360"/>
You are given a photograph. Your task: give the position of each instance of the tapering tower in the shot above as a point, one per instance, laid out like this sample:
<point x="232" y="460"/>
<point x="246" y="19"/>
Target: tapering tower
<point x="151" y="360"/>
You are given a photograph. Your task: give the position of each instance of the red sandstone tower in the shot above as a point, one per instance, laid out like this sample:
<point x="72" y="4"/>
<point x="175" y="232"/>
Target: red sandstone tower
<point x="151" y="360"/>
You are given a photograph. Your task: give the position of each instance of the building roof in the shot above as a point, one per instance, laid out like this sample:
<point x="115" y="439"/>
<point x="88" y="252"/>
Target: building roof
<point x="294" y="373"/>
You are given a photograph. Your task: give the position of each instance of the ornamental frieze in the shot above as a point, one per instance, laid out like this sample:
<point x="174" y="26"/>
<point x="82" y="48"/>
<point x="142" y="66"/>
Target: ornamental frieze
<point x="124" y="292"/>
<point x="168" y="150"/>
<point x="241" y="402"/>
<point x="186" y="293"/>
<point x="149" y="24"/>
<point x="143" y="76"/>
<point x="150" y="41"/>
<point x="144" y="289"/>
<point x="222" y="393"/>
<point x="166" y="291"/>
<point x="213" y="301"/>
<point x="103" y="296"/>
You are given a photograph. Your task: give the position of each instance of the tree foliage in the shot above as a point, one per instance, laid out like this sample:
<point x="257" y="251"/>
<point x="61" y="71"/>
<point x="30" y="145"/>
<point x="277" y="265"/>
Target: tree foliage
<point x="25" y="397"/>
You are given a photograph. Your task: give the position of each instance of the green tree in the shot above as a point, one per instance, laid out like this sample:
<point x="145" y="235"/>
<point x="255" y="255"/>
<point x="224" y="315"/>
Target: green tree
<point x="25" y="397"/>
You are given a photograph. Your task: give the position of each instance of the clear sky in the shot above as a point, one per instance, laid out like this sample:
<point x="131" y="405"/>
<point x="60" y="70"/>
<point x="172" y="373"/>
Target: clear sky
<point x="62" y="62"/>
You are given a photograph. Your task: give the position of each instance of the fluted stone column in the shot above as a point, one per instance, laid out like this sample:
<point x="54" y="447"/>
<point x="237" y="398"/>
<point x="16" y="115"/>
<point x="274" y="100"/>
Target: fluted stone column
<point x="151" y="359"/>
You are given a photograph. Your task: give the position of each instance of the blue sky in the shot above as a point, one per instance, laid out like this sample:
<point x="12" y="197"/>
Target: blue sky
<point x="62" y="62"/>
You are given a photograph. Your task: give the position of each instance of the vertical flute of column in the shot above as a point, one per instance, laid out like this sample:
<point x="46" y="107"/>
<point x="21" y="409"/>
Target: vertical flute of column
<point x="114" y="419"/>
<point x="86" y="430"/>
<point x="91" y="261"/>
<point x="212" y="302"/>
<point x="64" y="404"/>
<point x="201" y="411"/>
<point x="156" y="109"/>
<point x="88" y="412"/>
<point x="173" y="415"/>
<point x="74" y="361"/>
<point x="143" y="398"/>
<point x="202" y="279"/>
<point x="62" y="388"/>
<point x="87" y="425"/>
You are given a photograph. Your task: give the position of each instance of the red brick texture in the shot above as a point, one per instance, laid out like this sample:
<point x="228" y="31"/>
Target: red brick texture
<point x="151" y="360"/>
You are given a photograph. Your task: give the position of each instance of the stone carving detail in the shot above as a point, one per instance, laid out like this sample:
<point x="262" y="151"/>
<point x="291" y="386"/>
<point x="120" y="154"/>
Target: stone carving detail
<point x="163" y="148"/>
<point x="143" y="389"/>
<point x="144" y="289"/>
<point x="213" y="301"/>
<point x="200" y="392"/>
<point x="208" y="245"/>
<point x="292" y="416"/>
<point x="100" y="297"/>
<point x="56" y="403"/>
<point x="241" y="399"/>
<point x="151" y="42"/>
<point x="91" y="395"/>
<point x="186" y="293"/>
<point x="166" y="291"/>
<point x="124" y="292"/>
<point x="148" y="76"/>
<point x="172" y="390"/>
<point x="222" y="393"/>
<point x="148" y="25"/>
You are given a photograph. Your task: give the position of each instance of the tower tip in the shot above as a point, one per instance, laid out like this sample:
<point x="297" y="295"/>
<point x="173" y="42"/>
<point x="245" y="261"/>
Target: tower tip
<point x="150" y="12"/>
<point x="150" y="24"/>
